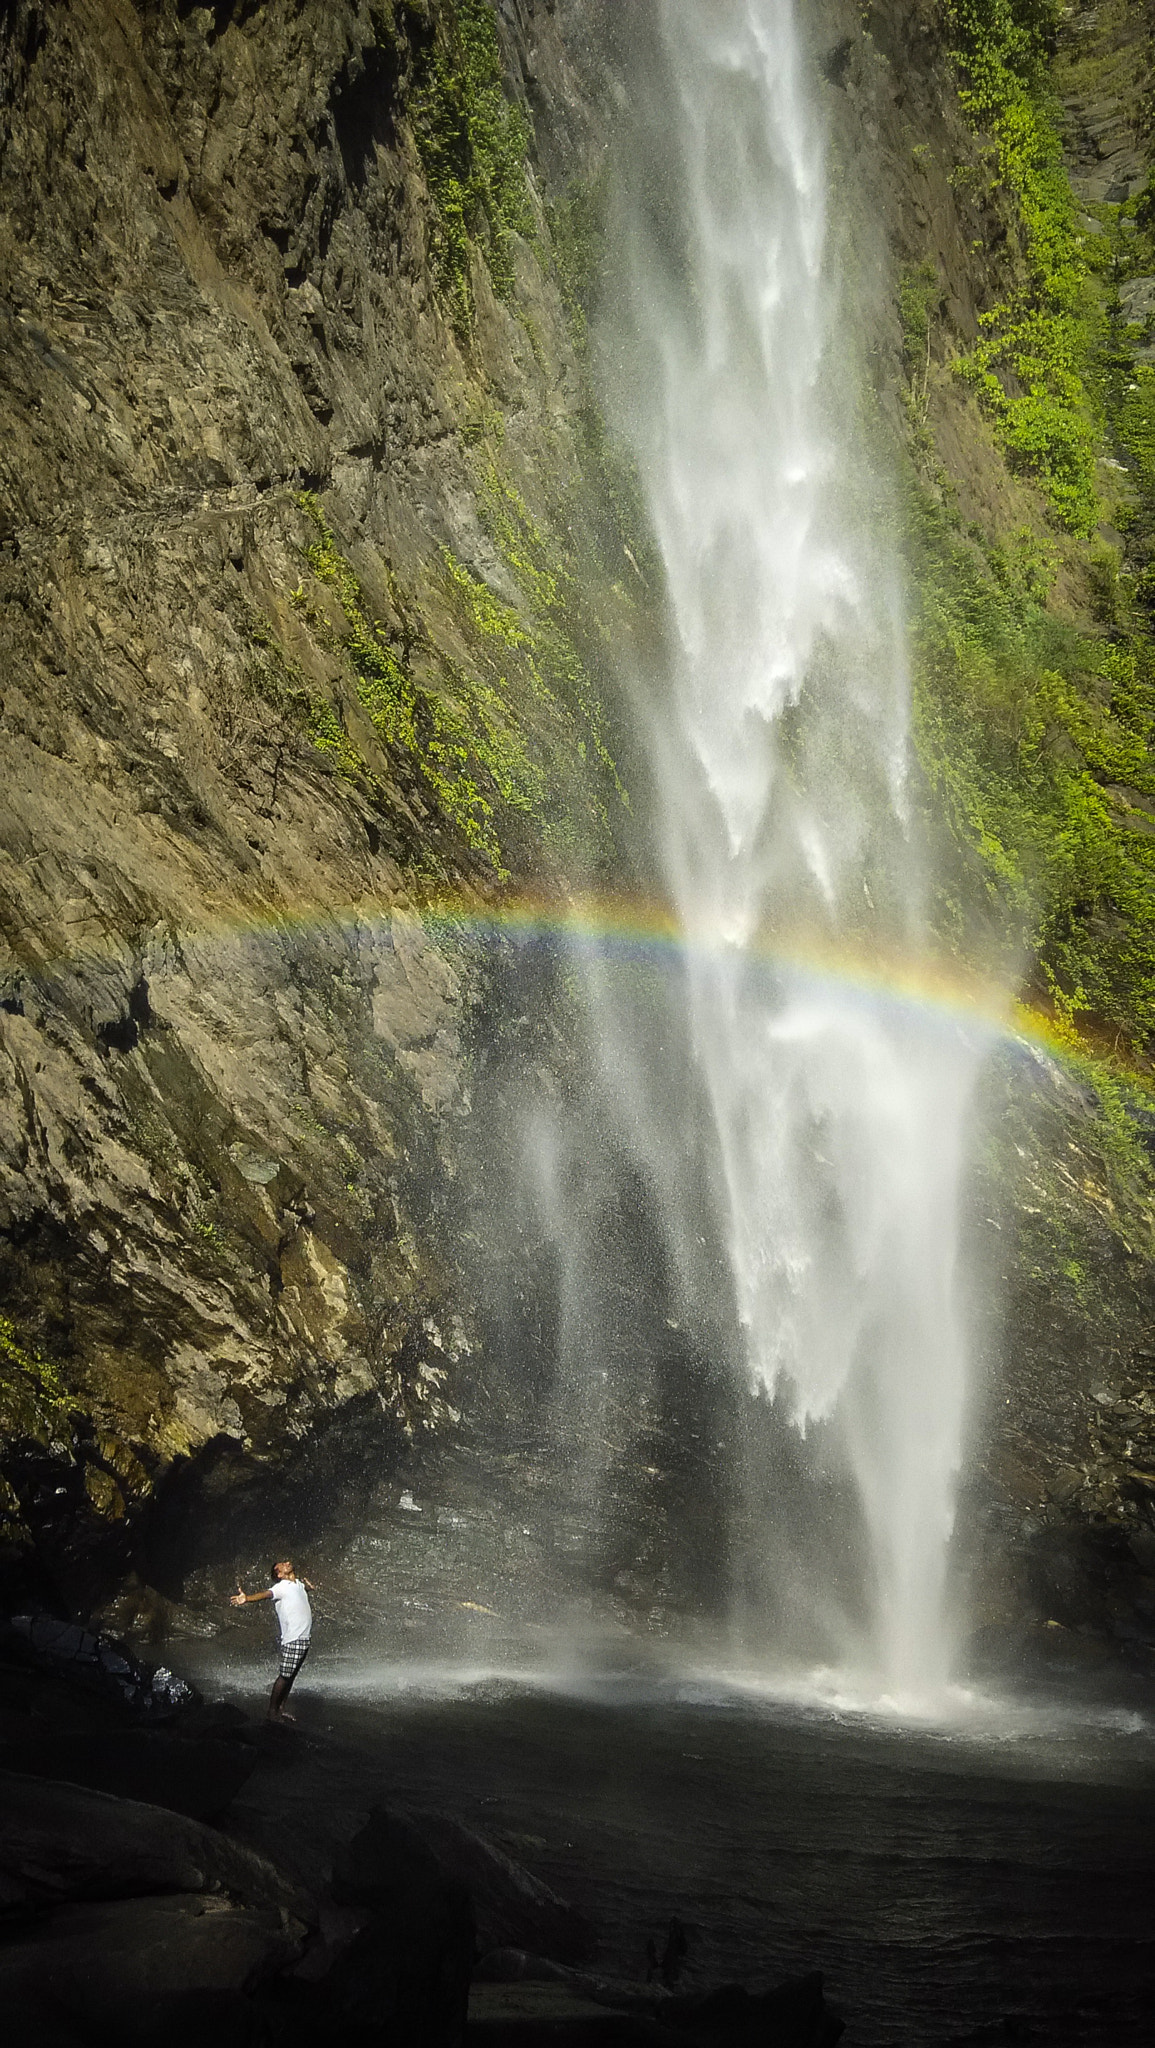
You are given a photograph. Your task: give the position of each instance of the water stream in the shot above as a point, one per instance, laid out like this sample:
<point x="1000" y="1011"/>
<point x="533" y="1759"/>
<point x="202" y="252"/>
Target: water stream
<point x="819" y="1122"/>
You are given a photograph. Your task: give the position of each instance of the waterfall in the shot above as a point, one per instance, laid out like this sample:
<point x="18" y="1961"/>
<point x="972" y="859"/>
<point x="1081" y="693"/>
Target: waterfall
<point x="776" y="732"/>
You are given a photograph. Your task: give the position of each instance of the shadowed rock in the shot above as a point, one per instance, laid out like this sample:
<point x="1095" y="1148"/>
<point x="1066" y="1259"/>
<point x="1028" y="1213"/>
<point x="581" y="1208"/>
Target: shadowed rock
<point x="61" y="1842"/>
<point x="98" y="1664"/>
<point x="792" y="2015"/>
<point x="124" y="1968"/>
<point x="198" y="1778"/>
<point x="513" y="1908"/>
<point x="408" y="1970"/>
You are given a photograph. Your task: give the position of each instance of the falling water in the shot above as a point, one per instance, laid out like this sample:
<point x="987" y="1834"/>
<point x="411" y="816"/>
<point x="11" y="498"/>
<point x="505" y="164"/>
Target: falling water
<point x="777" y="737"/>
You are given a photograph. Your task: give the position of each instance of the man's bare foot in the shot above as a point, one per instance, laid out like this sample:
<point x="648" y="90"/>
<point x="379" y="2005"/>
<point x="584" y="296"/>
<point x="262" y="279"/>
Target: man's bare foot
<point x="280" y="1714"/>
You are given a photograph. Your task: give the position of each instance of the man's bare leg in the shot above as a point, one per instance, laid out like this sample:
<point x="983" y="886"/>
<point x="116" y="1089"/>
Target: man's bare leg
<point x="277" y="1698"/>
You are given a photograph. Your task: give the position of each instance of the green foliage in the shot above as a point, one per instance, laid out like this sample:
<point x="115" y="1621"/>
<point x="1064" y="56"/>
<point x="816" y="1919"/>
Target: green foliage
<point x="1136" y="422"/>
<point x="328" y="735"/>
<point x="1036" y="734"/>
<point x="917" y="295"/>
<point x="1123" y="1106"/>
<point x="918" y="290"/>
<point x="563" y="621"/>
<point x="1129" y="401"/>
<point x="1005" y="35"/>
<point x="473" y="145"/>
<point x="465" y="740"/>
<point x="1034" y="740"/>
<point x="1030" y="363"/>
<point x="17" y="1357"/>
<point x="576" y="225"/>
<point x="33" y="1400"/>
<point x="289" y="706"/>
<point x="490" y="616"/>
<point x="1048" y="428"/>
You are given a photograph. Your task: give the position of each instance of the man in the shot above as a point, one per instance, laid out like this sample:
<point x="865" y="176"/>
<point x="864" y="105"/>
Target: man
<point x="295" y="1620"/>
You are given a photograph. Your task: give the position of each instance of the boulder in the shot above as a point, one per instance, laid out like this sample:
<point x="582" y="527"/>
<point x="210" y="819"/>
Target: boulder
<point x="792" y="2015"/>
<point x="513" y="1909"/>
<point x="63" y="1842"/>
<point x="407" y="1971"/>
<point x="197" y="1777"/>
<point x="518" y="1966"/>
<point x="127" y="1970"/>
<point x="530" y="2015"/>
<point x="405" y="1976"/>
<point x="96" y="1664"/>
<point x="523" y="2012"/>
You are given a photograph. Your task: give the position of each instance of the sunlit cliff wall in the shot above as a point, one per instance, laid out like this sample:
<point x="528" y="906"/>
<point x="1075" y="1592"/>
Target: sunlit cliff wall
<point x="302" y="625"/>
<point x="313" y="562"/>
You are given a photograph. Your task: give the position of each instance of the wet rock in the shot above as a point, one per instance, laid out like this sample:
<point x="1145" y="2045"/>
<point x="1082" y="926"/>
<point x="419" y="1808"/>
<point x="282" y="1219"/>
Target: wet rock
<point x="517" y="1966"/>
<point x="96" y="1664"/>
<point x="141" y="1616"/>
<point x="126" y="1969"/>
<point x="197" y="1777"/>
<point x="61" y="1842"/>
<point x="513" y="1908"/>
<point x="524" y="2015"/>
<point x="89" y="1721"/>
<point x="407" y="1971"/>
<point x="531" y="2015"/>
<point x="1137" y="299"/>
<point x="226" y="1094"/>
<point x="405" y="1976"/>
<point x="792" y="2015"/>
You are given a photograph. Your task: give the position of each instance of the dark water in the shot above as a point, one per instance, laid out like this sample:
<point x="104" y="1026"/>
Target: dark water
<point x="996" y="1884"/>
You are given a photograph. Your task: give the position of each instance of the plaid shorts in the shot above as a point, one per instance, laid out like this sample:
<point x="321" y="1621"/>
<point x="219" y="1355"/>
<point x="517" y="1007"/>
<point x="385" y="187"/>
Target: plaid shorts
<point x="293" y="1656"/>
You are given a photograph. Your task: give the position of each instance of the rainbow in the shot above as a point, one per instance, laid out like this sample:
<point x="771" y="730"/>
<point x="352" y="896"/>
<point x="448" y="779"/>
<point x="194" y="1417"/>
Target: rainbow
<point x="644" y="932"/>
<point x="630" y="929"/>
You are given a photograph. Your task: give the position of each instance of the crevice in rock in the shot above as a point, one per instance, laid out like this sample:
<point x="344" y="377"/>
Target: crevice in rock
<point x="364" y="97"/>
<point x="122" y="1033"/>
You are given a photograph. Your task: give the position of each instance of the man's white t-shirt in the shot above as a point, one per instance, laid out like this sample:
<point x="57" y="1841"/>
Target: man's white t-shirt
<point x="294" y="1613"/>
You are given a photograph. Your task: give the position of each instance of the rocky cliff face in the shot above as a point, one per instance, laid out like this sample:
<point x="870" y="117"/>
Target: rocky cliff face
<point x="313" y="559"/>
<point x="289" y="655"/>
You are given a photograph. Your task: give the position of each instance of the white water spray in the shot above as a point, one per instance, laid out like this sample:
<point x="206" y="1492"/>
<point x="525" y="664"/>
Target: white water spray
<point x="778" y="737"/>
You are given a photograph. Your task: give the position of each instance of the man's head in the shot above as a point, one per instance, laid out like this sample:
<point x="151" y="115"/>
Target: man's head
<point x="284" y="1570"/>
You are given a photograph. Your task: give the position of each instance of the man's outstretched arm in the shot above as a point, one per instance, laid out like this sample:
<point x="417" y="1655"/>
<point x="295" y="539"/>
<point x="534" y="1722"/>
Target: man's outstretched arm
<point x="239" y="1599"/>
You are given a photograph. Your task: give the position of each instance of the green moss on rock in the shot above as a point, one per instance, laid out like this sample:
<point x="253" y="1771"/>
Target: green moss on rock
<point x="466" y="738"/>
<point x="1031" y="360"/>
<point x="473" y="143"/>
<point x="1034" y="738"/>
<point x="564" y="625"/>
<point x="34" y="1403"/>
<point x="36" y="1414"/>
